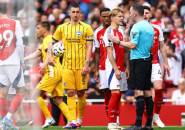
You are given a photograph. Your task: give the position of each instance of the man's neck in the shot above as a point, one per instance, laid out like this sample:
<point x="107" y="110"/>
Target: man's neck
<point x="74" y="22"/>
<point x="46" y="33"/>
<point x="114" y="26"/>
<point x="105" y="26"/>
<point x="139" y="18"/>
<point x="182" y="91"/>
<point x="3" y="16"/>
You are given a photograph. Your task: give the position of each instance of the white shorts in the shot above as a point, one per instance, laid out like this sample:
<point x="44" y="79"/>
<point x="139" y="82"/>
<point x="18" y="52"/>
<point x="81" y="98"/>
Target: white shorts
<point x="11" y="75"/>
<point x="156" y="72"/>
<point x="103" y="80"/>
<point x="114" y="83"/>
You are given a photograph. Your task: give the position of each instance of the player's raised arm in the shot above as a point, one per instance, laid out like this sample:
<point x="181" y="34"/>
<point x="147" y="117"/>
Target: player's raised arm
<point x="33" y="55"/>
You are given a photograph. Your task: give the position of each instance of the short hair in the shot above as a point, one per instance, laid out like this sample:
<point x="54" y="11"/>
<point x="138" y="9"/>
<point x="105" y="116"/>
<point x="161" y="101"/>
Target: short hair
<point x="171" y="46"/>
<point x="138" y="8"/>
<point x="3" y="8"/>
<point x="115" y="12"/>
<point x="104" y="10"/>
<point x="146" y="7"/>
<point x="45" y="24"/>
<point x="74" y="5"/>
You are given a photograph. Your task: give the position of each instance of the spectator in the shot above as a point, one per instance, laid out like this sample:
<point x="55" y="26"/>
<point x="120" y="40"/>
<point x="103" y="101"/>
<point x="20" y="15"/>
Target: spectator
<point x="178" y="96"/>
<point x="175" y="63"/>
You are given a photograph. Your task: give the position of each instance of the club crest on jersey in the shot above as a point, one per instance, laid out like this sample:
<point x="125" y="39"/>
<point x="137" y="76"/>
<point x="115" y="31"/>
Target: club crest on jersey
<point x="78" y="33"/>
<point x="133" y="34"/>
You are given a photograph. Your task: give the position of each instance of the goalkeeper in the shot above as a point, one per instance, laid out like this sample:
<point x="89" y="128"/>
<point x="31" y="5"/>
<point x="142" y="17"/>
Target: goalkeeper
<point x="51" y="83"/>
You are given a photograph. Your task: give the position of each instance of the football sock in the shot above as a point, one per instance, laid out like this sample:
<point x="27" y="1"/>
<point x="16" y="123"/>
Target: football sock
<point x="158" y="100"/>
<point x="81" y="106"/>
<point x="149" y="110"/>
<point x="139" y="110"/>
<point x="64" y="108"/>
<point x="43" y="107"/>
<point x="107" y="96"/>
<point x="3" y="107"/>
<point x="15" y="103"/>
<point x="71" y="102"/>
<point x="113" y="106"/>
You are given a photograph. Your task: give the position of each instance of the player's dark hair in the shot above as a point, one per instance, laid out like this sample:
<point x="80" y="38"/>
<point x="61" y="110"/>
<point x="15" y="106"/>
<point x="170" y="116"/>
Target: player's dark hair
<point x="3" y="8"/>
<point x="74" y="5"/>
<point x="45" y="24"/>
<point x="147" y="8"/>
<point x="171" y="46"/>
<point x="138" y="8"/>
<point x="104" y="10"/>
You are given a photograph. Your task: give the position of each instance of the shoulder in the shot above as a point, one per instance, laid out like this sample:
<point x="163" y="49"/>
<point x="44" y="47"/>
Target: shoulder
<point x="156" y="26"/>
<point x="176" y="92"/>
<point x="85" y="24"/>
<point x="108" y="30"/>
<point x="48" y="38"/>
<point x="63" y="25"/>
<point x="98" y="29"/>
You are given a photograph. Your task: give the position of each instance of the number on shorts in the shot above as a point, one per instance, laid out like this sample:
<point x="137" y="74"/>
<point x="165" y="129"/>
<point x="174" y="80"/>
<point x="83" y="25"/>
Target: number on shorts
<point x="159" y="72"/>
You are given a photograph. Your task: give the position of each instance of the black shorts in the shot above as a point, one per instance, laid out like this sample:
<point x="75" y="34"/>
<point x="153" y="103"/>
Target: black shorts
<point x="140" y="74"/>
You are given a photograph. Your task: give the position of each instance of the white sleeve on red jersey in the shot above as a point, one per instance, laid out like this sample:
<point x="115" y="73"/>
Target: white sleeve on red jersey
<point x="96" y="42"/>
<point x="161" y="37"/>
<point x="107" y="42"/>
<point x="19" y="41"/>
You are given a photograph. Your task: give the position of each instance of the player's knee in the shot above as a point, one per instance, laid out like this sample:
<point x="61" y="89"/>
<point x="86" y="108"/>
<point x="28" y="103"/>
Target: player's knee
<point x="21" y="91"/>
<point x="80" y="93"/>
<point x="71" y="93"/>
<point x="158" y="85"/>
<point x="148" y="93"/>
<point x="3" y="93"/>
<point x="139" y="93"/>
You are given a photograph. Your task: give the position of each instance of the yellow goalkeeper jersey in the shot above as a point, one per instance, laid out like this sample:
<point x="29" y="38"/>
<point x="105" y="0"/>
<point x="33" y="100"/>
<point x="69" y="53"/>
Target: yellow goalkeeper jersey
<point x="74" y="37"/>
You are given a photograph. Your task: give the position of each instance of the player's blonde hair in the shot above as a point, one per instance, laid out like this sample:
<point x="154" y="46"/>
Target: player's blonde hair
<point x="115" y="12"/>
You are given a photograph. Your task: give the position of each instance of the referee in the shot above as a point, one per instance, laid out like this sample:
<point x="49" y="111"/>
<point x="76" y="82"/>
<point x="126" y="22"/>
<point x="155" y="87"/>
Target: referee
<point x="141" y="35"/>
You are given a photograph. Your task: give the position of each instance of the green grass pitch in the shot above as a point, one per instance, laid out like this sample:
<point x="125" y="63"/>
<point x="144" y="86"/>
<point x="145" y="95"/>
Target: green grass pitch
<point x="99" y="128"/>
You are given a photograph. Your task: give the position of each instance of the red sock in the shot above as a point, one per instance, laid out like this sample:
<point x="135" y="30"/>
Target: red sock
<point x="3" y="107"/>
<point x="158" y="100"/>
<point x="15" y="103"/>
<point x="113" y="107"/>
<point x="107" y="96"/>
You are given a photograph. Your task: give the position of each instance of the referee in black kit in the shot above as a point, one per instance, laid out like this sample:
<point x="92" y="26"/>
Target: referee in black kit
<point x="141" y="41"/>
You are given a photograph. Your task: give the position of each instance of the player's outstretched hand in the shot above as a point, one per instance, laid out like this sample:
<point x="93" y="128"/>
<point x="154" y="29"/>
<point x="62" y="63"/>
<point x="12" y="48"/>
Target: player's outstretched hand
<point x="114" y="39"/>
<point x="127" y="72"/>
<point x="85" y="70"/>
<point x="166" y="69"/>
<point x="118" y="74"/>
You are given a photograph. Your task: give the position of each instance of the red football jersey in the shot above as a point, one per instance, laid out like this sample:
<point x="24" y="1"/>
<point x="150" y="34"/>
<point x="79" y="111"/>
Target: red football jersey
<point x="158" y="36"/>
<point x="118" y="50"/>
<point x="7" y="38"/>
<point x="99" y="43"/>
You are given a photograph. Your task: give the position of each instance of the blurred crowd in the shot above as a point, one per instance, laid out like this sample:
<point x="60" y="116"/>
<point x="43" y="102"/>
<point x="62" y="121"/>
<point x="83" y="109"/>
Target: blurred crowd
<point x="168" y="14"/>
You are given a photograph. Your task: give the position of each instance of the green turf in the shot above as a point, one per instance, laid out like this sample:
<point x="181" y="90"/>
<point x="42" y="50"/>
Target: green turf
<point x="99" y="128"/>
